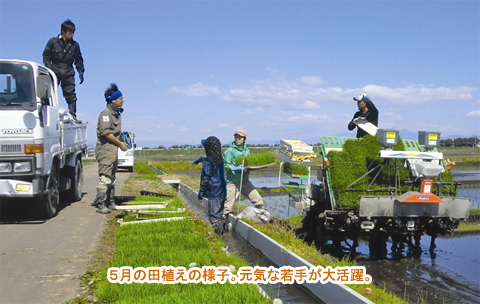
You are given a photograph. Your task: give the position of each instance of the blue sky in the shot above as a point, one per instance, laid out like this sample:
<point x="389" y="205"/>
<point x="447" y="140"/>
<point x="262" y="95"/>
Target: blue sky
<point x="278" y="69"/>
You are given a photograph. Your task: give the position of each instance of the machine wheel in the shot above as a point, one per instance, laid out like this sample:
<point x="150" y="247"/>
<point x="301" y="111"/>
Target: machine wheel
<point x="49" y="202"/>
<point x="75" y="192"/>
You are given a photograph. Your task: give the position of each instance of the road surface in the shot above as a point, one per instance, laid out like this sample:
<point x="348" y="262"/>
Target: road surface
<point x="41" y="261"/>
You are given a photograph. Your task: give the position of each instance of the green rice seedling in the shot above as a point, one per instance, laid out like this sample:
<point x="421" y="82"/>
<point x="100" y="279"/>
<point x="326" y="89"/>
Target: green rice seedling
<point x="143" y="168"/>
<point x="293" y="169"/>
<point x="174" y="166"/>
<point x="277" y="190"/>
<point x="169" y="244"/>
<point x="260" y="159"/>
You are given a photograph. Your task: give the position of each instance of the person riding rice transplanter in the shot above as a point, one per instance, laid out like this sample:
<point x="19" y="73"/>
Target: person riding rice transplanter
<point x="366" y="110"/>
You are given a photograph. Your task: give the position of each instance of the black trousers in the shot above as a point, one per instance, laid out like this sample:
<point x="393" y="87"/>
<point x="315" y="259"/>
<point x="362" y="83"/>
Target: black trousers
<point x="67" y="81"/>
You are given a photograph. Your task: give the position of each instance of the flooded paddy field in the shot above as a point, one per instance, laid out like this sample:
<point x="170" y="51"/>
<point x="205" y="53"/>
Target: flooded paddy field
<point x="448" y="274"/>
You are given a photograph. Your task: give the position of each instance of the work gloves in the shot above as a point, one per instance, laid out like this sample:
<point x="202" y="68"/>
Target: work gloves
<point x="80" y="75"/>
<point x="237" y="168"/>
<point x="200" y="193"/>
<point x="198" y="160"/>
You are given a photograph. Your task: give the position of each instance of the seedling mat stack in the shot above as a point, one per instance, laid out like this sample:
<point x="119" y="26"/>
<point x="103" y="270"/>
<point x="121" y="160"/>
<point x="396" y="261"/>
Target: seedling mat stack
<point x="300" y="153"/>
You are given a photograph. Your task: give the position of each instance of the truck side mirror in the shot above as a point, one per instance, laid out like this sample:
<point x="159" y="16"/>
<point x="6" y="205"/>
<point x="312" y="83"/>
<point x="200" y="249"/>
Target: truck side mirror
<point x="134" y="145"/>
<point x="44" y="84"/>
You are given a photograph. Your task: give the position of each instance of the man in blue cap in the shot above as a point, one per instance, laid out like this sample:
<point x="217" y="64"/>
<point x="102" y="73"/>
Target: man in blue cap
<point x="367" y="111"/>
<point x="106" y="152"/>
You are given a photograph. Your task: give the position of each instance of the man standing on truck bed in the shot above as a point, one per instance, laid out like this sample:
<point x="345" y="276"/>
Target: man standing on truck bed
<point x="367" y="111"/>
<point x="59" y="55"/>
<point x="108" y="141"/>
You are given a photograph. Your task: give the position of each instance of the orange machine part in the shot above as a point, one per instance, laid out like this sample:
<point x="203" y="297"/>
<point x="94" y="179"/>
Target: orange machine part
<point x="423" y="198"/>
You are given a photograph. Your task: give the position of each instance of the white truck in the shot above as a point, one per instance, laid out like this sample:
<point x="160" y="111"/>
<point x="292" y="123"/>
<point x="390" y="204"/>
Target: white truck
<point x="126" y="159"/>
<point x="41" y="147"/>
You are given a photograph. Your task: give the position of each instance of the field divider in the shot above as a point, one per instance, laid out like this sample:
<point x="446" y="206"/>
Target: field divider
<point x="168" y="219"/>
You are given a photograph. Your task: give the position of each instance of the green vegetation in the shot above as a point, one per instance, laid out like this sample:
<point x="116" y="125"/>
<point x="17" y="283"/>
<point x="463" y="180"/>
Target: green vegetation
<point x="362" y="155"/>
<point x="157" y="244"/>
<point x="260" y="159"/>
<point x="170" y="167"/>
<point x="143" y="168"/>
<point x="468" y="227"/>
<point x="295" y="170"/>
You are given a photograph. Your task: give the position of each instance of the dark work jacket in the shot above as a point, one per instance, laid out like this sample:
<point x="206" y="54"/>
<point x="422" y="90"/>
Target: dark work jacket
<point x="371" y="115"/>
<point x="213" y="179"/>
<point x="59" y="56"/>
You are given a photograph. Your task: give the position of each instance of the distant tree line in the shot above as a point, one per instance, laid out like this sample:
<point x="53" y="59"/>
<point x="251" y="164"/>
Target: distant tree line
<point x="460" y="142"/>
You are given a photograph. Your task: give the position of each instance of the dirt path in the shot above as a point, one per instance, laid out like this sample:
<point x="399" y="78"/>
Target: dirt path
<point x="40" y="261"/>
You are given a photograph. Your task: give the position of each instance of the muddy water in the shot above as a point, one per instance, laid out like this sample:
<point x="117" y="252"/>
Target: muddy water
<point x="288" y="293"/>
<point x="451" y="274"/>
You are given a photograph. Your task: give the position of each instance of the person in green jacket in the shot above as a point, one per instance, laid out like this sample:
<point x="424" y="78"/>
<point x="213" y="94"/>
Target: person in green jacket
<point x="237" y="148"/>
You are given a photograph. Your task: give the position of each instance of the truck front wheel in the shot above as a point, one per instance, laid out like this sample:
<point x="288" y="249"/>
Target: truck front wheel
<point x="49" y="202"/>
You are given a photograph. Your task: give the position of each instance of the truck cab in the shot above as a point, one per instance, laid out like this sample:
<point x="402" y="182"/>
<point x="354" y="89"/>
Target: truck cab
<point x="40" y="149"/>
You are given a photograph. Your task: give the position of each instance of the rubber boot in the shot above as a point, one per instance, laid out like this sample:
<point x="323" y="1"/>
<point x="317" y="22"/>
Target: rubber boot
<point x="111" y="200"/>
<point x="103" y="209"/>
<point x="101" y="197"/>
<point x="72" y="108"/>
<point x="218" y="227"/>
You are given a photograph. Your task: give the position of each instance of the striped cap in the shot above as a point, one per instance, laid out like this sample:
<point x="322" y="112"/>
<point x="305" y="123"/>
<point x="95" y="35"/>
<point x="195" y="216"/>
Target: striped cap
<point x="241" y="132"/>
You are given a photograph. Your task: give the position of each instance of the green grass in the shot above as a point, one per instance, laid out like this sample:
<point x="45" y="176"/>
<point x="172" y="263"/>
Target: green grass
<point x="173" y="244"/>
<point x="143" y="168"/>
<point x="468" y="227"/>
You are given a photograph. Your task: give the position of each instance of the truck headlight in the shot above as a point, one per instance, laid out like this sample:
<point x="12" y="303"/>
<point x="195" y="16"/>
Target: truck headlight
<point x="22" y="167"/>
<point x="5" y="167"/>
<point x="129" y="153"/>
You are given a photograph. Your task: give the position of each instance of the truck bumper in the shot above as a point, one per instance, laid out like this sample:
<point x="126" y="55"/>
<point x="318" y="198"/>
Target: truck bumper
<point x="18" y="188"/>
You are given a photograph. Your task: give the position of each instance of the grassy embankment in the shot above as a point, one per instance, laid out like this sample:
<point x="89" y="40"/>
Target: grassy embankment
<point x="173" y="244"/>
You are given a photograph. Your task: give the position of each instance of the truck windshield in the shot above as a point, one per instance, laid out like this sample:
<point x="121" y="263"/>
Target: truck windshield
<point x="125" y="137"/>
<point x="16" y="85"/>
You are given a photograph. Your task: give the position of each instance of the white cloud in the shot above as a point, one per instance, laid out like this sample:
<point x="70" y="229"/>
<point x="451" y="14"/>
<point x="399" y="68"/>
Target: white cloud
<point x="197" y="90"/>
<point x="393" y="117"/>
<point x="305" y="93"/>
<point x="306" y="118"/>
<point x="312" y="81"/>
<point x="473" y="114"/>
<point x="307" y="105"/>
<point x="183" y="129"/>
<point x="222" y="126"/>
<point x="476" y="103"/>
<point x="171" y="126"/>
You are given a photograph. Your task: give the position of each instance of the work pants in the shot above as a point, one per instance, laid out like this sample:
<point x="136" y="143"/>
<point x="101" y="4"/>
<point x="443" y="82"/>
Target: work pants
<point x="67" y="82"/>
<point x="106" y="183"/>
<point x="248" y="190"/>
<point x="215" y="209"/>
